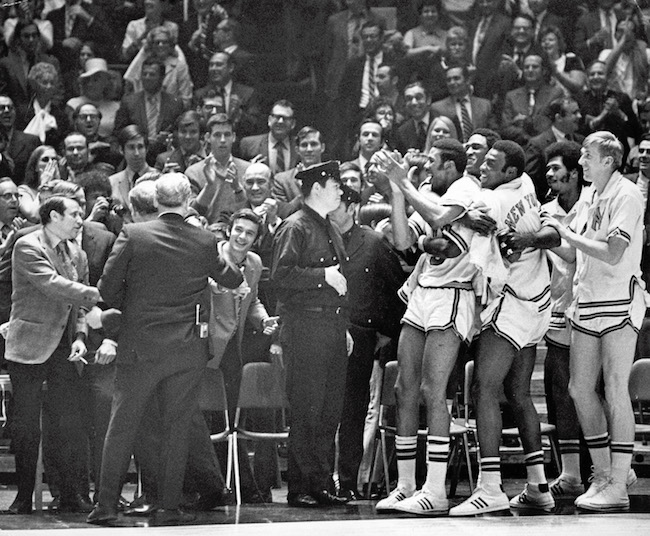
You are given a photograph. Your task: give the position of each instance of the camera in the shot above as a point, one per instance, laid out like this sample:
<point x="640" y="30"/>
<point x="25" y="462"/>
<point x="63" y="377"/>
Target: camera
<point x="116" y="207"/>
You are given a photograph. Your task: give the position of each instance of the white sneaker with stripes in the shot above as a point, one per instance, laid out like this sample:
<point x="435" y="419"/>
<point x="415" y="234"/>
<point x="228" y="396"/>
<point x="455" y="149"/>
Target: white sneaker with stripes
<point x="423" y="503"/>
<point x="565" y="486"/>
<point x="396" y="496"/>
<point x="482" y="501"/>
<point x="534" y="497"/>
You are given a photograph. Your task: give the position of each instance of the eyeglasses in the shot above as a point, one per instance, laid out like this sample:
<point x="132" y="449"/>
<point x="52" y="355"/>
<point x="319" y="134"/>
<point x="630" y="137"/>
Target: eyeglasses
<point x="6" y="107"/>
<point x="161" y="43"/>
<point x="83" y="117"/>
<point x="9" y="196"/>
<point x="279" y="117"/>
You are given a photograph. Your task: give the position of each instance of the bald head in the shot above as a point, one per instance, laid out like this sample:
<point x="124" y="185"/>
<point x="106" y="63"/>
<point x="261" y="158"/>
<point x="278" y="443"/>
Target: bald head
<point x="257" y="183"/>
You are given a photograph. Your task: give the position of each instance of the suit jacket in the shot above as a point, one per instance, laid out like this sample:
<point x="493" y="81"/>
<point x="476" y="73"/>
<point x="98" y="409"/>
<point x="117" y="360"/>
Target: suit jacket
<point x="536" y="159"/>
<point x="224" y="200"/>
<point x="97" y="243"/>
<point x="132" y="111"/>
<point x="249" y="119"/>
<point x="120" y="188"/>
<point x="517" y="103"/>
<point x="336" y="50"/>
<point x="159" y="306"/>
<point x="251" y="146"/>
<point x="588" y="24"/>
<point x="286" y="190"/>
<point x="407" y="136"/>
<point x="44" y="301"/>
<point x="13" y="82"/>
<point x="98" y="31"/>
<point x="489" y="55"/>
<point x="227" y="318"/>
<point x="20" y="149"/>
<point x="481" y="111"/>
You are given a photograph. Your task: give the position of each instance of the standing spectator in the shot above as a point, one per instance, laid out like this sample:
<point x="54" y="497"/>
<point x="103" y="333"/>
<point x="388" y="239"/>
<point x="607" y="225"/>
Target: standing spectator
<point x="86" y="120"/>
<point x="138" y="30"/>
<point x="45" y="341"/>
<point x="189" y="147"/>
<point x="412" y="134"/>
<point x="595" y="31"/>
<point x="567" y="69"/>
<point x="429" y="35"/>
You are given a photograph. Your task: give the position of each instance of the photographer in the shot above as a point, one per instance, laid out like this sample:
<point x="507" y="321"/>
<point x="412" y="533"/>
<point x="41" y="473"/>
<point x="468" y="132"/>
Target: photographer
<point x="100" y="207"/>
<point x="606" y="109"/>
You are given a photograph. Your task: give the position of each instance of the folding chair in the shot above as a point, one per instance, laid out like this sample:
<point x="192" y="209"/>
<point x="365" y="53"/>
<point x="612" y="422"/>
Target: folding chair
<point x="546" y="429"/>
<point x="458" y="433"/>
<point x="212" y="397"/>
<point x="640" y="393"/>
<point x="262" y="387"/>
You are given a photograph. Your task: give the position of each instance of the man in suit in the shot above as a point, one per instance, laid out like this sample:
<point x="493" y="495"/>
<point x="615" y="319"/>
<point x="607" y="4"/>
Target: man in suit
<point x="566" y="117"/>
<point x="412" y="134"/>
<point x="78" y="21"/>
<point x="275" y="147"/>
<point x="133" y="144"/>
<point x="286" y="190"/>
<point x="217" y="178"/>
<point x="152" y="109"/>
<point x="543" y="18"/>
<point x="595" y="31"/>
<point x="45" y="341"/>
<point x="525" y="107"/>
<point x="189" y="133"/>
<point x="240" y="101"/>
<point x="226" y="36"/>
<point x="85" y="120"/>
<point x="20" y="145"/>
<point x="477" y="111"/>
<point x="163" y="345"/>
<point x="488" y="35"/>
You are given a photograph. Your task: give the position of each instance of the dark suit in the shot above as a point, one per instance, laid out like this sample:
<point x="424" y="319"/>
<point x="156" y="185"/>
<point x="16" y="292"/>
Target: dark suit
<point x="249" y="119"/>
<point x="489" y="55"/>
<point x="20" y="149"/>
<point x="287" y="191"/>
<point x="159" y="350"/>
<point x="588" y="24"/>
<point x="46" y="314"/>
<point x="536" y="159"/>
<point x="374" y="277"/>
<point x="481" y="111"/>
<point x="517" y="103"/>
<point x="251" y="146"/>
<point x="132" y="111"/>
<point x="407" y="136"/>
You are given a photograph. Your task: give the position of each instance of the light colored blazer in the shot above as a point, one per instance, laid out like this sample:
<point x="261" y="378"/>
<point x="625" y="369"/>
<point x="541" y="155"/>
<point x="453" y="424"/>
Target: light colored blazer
<point x="224" y="320"/>
<point x="44" y="301"/>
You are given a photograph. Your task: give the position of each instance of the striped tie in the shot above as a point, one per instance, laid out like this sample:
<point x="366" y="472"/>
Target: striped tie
<point x="280" y="164"/>
<point x="152" y="116"/>
<point x="465" y="119"/>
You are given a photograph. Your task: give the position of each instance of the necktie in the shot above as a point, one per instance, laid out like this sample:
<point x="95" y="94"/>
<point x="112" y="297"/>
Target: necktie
<point x="465" y="119"/>
<point x="136" y="176"/>
<point x="280" y="164"/>
<point x="372" y="86"/>
<point x="152" y="116"/>
<point x="422" y="135"/>
<point x="531" y="101"/>
<point x="479" y="37"/>
<point x="69" y="267"/>
<point x="69" y="23"/>
<point x="222" y="91"/>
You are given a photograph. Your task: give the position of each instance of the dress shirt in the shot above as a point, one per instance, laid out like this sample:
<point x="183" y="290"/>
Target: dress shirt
<point x="369" y="70"/>
<point x="273" y="157"/>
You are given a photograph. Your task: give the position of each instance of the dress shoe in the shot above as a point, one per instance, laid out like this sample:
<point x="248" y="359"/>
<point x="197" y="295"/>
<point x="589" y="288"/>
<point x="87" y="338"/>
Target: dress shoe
<point x="302" y="500"/>
<point x="258" y="497"/>
<point x="77" y="504"/>
<point x="326" y="498"/>
<point x="205" y="502"/>
<point x="20" y="507"/>
<point x="171" y="517"/>
<point x="348" y="494"/>
<point x="102" y="515"/>
<point x="54" y="505"/>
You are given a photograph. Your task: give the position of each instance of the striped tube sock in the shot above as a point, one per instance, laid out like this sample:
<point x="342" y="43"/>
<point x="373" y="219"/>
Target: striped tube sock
<point x="570" y="454"/>
<point x="535" y="467"/>
<point x="490" y="471"/>
<point x="437" y="457"/>
<point x="406" y="448"/>
<point x="621" y="460"/>
<point x="599" y="450"/>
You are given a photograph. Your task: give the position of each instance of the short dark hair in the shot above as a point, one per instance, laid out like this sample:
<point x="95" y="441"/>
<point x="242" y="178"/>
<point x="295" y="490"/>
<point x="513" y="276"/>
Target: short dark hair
<point x="569" y="151"/>
<point x="452" y="150"/>
<point x="74" y="133"/>
<point x="130" y="132"/>
<point x="306" y="131"/>
<point x="371" y="120"/>
<point x="219" y="119"/>
<point x="191" y="116"/>
<point x="419" y="84"/>
<point x="95" y="181"/>
<point x="374" y="23"/>
<point x="31" y="175"/>
<point x="77" y="110"/>
<point x="153" y="61"/>
<point x="245" y="214"/>
<point x="350" y="166"/>
<point x="557" y="107"/>
<point x="491" y="136"/>
<point x="285" y="104"/>
<point x="515" y="155"/>
<point x="56" y="203"/>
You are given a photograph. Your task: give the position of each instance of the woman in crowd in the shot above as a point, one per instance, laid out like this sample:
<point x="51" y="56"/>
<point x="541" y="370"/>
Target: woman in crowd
<point x="429" y="35"/>
<point x="137" y="30"/>
<point x="42" y="167"/>
<point x="440" y="127"/>
<point x="567" y="69"/>
<point x="45" y="115"/>
<point x="383" y="111"/>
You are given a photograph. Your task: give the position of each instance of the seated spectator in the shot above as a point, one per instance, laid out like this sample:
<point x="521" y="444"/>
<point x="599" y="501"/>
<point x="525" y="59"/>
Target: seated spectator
<point x="76" y="159"/>
<point x="387" y="82"/>
<point x="137" y="30"/>
<point x="24" y="52"/>
<point x="412" y="134"/>
<point x="525" y="107"/>
<point x="26" y="12"/>
<point x="100" y="206"/>
<point x="6" y="163"/>
<point x="20" y="145"/>
<point x="74" y="68"/>
<point x="42" y="167"/>
<point x="96" y="88"/>
<point x="188" y="148"/>
<point x="86" y="119"/>
<point x="45" y="115"/>
<point x="352" y="176"/>
<point x="161" y="46"/>
<point x="626" y="64"/>
<point x="383" y="111"/>
<point x="240" y="101"/>
<point x="429" y="35"/>
<point x="226" y="38"/>
<point x="567" y="69"/>
<point x="441" y="127"/>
